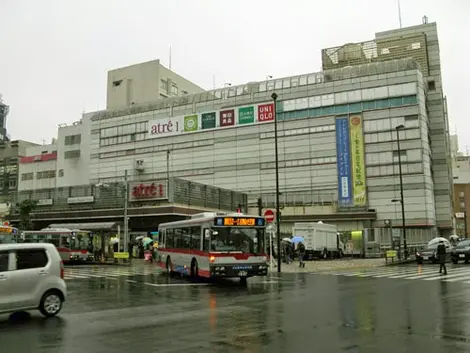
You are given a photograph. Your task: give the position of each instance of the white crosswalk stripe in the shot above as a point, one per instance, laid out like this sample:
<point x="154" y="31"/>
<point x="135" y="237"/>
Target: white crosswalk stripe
<point x="423" y="273"/>
<point x="110" y="272"/>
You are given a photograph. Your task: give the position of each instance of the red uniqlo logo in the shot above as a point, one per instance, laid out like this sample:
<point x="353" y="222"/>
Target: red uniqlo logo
<point x="265" y="112"/>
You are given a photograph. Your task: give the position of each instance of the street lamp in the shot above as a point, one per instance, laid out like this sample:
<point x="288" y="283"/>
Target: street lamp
<point x="398" y="128"/>
<point x="278" y="216"/>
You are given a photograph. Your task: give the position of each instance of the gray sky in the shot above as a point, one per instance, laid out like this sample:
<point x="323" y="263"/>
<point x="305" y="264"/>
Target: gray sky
<point x="55" y="53"/>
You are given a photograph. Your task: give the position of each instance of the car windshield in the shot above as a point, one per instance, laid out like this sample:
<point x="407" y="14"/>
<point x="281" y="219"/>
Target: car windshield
<point x="233" y="239"/>
<point x="464" y="244"/>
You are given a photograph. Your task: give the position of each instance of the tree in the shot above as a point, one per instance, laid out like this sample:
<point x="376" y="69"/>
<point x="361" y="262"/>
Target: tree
<point x="25" y="208"/>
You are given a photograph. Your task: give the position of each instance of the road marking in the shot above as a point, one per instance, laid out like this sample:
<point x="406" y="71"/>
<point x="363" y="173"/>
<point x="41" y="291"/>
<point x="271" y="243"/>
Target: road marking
<point x="174" y="284"/>
<point x="131" y="281"/>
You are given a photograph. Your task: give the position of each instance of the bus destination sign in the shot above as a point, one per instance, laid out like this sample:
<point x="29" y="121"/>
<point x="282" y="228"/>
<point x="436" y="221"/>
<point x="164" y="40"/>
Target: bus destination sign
<point x="240" y="222"/>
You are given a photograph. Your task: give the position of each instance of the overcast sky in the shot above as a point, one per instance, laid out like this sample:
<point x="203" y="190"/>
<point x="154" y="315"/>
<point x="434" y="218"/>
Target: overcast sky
<point x="54" y="54"/>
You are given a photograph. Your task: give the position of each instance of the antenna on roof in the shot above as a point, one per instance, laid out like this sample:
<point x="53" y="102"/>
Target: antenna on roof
<point x="169" y="66"/>
<point x="213" y="81"/>
<point x="399" y="13"/>
<point x="425" y="20"/>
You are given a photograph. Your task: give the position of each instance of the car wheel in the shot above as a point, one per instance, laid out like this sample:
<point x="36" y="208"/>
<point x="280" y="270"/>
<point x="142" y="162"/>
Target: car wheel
<point x="51" y="303"/>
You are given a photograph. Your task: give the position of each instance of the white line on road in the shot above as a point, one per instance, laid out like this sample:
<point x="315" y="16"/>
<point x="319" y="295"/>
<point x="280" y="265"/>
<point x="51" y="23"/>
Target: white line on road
<point x="174" y="284"/>
<point x="131" y="281"/>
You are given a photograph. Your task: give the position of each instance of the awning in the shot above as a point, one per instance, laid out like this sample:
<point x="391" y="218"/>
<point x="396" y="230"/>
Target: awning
<point x="92" y="226"/>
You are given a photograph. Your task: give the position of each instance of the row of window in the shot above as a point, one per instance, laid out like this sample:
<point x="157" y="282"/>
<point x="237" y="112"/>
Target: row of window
<point x="349" y="108"/>
<point x="47" y="174"/>
<point x="392" y="157"/>
<point x="299" y="162"/>
<point x="127" y="129"/>
<point x="184" y="238"/>
<point x="302" y="131"/>
<point x="388" y="136"/>
<point x="73" y="139"/>
<point x="409" y="121"/>
<point x="72" y="154"/>
<point x="122" y="139"/>
<point x="388" y="170"/>
<point x="11" y="169"/>
<point x="360" y="95"/>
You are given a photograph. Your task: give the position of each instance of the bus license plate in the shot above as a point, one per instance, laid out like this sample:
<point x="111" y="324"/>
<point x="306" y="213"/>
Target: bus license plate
<point x="242" y="273"/>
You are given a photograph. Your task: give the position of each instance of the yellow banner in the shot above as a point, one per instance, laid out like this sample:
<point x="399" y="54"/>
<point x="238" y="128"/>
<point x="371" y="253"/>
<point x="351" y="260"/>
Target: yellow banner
<point x="358" y="167"/>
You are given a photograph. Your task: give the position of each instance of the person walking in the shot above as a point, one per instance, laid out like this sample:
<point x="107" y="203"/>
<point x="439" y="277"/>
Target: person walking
<point x="441" y="253"/>
<point x="301" y="248"/>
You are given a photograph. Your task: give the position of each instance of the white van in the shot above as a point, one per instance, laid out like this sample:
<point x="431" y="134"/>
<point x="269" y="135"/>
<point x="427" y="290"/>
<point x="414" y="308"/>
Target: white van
<point x="31" y="277"/>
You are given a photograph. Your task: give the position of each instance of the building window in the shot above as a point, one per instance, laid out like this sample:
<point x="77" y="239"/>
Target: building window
<point x="431" y="85"/>
<point x="462" y="205"/>
<point x="46" y="174"/>
<point x="72" y="154"/>
<point x="461" y="194"/>
<point x="61" y="173"/>
<point x="27" y="176"/>
<point x="163" y="85"/>
<point x="73" y="139"/>
<point x="12" y="183"/>
<point x="174" y="90"/>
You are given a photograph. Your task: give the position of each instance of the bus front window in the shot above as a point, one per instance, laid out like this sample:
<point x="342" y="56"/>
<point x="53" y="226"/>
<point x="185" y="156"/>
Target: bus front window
<point x="233" y="239"/>
<point x="80" y="242"/>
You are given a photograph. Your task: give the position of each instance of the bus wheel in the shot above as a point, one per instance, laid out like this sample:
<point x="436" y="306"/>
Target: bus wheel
<point x="194" y="269"/>
<point x="168" y="266"/>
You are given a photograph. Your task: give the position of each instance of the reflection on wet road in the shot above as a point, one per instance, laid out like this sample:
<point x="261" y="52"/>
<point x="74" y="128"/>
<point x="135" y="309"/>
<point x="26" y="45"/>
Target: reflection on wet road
<point x="294" y="312"/>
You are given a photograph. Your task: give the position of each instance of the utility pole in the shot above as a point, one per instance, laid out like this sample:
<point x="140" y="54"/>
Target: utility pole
<point x="126" y="221"/>
<point x="278" y="214"/>
<point x="402" y="199"/>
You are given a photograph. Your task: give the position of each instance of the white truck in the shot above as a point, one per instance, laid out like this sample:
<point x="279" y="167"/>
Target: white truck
<point x="321" y="240"/>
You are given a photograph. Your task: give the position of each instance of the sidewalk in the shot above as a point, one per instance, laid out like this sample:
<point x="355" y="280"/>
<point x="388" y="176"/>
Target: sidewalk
<point x="331" y="265"/>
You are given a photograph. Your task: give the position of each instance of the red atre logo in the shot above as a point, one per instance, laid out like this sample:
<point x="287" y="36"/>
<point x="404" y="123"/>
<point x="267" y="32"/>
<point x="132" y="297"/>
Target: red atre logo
<point x="143" y="191"/>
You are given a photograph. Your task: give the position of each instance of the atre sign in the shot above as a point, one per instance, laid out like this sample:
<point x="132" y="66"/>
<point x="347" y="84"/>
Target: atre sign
<point x="148" y="190"/>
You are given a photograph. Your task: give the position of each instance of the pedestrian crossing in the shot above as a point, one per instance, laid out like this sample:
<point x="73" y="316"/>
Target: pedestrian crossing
<point x="422" y="273"/>
<point x="109" y="272"/>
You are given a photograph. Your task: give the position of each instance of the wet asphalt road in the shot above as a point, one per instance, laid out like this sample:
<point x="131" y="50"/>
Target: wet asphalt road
<point x="291" y="313"/>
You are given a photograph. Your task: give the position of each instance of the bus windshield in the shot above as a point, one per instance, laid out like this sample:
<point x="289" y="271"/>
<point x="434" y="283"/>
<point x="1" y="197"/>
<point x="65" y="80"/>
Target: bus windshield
<point x="80" y="241"/>
<point x="7" y="238"/>
<point x="235" y="239"/>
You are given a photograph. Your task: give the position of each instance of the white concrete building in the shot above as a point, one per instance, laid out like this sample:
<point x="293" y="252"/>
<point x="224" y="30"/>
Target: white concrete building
<point x="38" y="168"/>
<point x="65" y="162"/>
<point x="145" y="83"/>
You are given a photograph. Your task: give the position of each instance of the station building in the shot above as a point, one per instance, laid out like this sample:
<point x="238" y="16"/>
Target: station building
<point x="338" y="151"/>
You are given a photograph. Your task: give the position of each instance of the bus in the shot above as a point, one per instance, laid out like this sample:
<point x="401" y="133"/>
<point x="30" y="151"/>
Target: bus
<point x="74" y="245"/>
<point x="214" y="245"/>
<point x="7" y="234"/>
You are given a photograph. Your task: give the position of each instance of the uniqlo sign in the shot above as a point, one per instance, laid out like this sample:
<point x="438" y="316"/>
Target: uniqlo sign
<point x="227" y="117"/>
<point x="265" y="112"/>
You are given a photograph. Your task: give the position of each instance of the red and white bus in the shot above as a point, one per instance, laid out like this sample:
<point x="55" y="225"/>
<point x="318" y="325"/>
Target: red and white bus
<point x="213" y="245"/>
<point x="73" y="245"/>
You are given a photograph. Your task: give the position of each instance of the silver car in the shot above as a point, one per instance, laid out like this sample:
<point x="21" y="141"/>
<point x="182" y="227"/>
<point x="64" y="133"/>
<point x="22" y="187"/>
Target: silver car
<point x="31" y="277"/>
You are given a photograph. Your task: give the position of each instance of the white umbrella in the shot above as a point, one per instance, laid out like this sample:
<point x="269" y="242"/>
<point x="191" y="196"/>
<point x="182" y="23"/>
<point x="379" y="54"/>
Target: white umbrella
<point x="287" y="239"/>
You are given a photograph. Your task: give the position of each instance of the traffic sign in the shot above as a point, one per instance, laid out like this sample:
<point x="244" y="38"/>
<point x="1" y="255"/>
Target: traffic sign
<point x="269" y="216"/>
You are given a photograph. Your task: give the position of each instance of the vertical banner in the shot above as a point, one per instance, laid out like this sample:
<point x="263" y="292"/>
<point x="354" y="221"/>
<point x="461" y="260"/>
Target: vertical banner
<point x="357" y="160"/>
<point x="343" y="157"/>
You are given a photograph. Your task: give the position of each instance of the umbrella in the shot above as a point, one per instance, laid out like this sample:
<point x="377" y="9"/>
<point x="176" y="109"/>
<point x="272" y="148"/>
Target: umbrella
<point x="146" y="241"/>
<point x="297" y="239"/>
<point x="139" y="237"/>
<point x="287" y="239"/>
